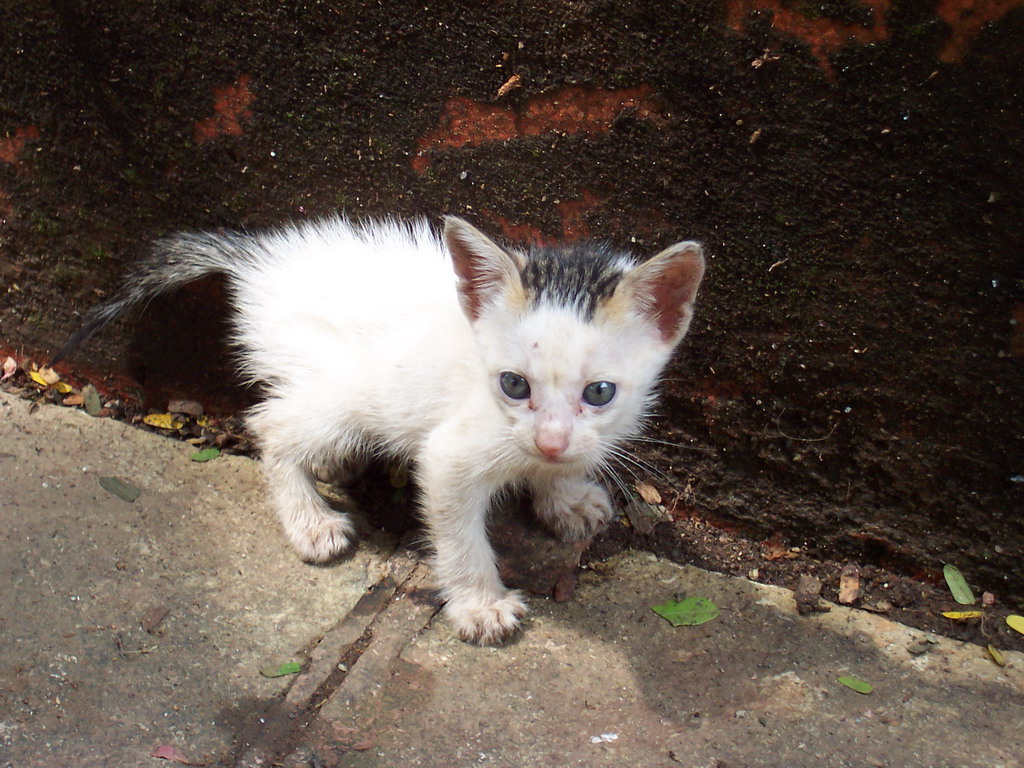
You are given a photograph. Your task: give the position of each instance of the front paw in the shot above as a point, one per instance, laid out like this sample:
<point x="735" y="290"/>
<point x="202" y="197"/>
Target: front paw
<point x="574" y="511"/>
<point x="486" y="622"/>
<point x="323" y="540"/>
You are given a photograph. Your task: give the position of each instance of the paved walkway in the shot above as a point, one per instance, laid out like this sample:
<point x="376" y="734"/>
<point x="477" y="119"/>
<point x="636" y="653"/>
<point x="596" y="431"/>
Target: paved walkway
<point x="127" y="627"/>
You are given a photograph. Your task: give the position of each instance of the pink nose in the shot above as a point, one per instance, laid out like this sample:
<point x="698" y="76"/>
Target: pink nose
<point x="551" y="444"/>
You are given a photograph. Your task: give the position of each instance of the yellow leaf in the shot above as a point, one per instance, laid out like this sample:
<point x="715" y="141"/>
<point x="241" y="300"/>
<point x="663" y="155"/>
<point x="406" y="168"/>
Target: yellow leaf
<point x="959" y="615"/>
<point x="163" y="421"/>
<point x="648" y="493"/>
<point x="1015" y="622"/>
<point x="997" y="657"/>
<point x="47" y="377"/>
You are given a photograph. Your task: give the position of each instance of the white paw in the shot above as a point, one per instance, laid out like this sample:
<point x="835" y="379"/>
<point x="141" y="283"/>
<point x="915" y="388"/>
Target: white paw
<point x="486" y="622"/>
<point x="574" y="511"/>
<point x="325" y="539"/>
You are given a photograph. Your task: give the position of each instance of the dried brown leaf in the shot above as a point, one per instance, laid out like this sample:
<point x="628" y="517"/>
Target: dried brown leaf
<point x="511" y="84"/>
<point x="849" y="585"/>
<point x="641" y="515"/>
<point x="648" y="493"/>
<point x="774" y="547"/>
<point x="48" y="375"/>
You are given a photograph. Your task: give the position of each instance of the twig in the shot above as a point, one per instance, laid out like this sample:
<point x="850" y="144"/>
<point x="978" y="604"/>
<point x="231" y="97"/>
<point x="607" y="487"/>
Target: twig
<point x="781" y="433"/>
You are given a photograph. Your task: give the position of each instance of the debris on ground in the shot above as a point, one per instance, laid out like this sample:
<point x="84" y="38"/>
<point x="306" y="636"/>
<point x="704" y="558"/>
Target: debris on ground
<point x="808" y="596"/>
<point x="849" y="584"/>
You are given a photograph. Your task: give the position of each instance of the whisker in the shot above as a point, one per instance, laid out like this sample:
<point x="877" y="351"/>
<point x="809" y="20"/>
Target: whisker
<point x="619" y="444"/>
<point x="613" y="461"/>
<point x="632" y="463"/>
<point x="605" y="469"/>
<point x="668" y="443"/>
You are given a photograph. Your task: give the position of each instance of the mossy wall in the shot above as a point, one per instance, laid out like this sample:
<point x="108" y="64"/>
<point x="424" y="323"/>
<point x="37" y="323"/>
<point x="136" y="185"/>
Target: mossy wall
<point x="854" y="377"/>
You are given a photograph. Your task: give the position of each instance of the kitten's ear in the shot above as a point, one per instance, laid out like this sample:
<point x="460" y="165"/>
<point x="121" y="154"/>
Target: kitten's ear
<point x="664" y="288"/>
<point x="487" y="273"/>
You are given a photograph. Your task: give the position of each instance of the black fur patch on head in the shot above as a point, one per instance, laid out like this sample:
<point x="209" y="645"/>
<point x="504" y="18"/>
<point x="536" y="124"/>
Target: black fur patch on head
<point x="577" y="276"/>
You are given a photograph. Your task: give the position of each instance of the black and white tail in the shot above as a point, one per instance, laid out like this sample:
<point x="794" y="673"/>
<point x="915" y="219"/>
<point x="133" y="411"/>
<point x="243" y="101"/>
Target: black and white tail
<point x="171" y="263"/>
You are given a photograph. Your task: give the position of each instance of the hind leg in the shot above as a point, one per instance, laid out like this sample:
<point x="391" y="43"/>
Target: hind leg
<point x="317" y="532"/>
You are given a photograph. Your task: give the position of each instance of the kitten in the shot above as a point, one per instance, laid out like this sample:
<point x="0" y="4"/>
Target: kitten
<point x="486" y="367"/>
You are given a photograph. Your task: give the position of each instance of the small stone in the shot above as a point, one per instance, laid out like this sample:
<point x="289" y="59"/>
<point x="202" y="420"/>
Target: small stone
<point x="565" y="587"/>
<point x="191" y="408"/>
<point x="807" y="596"/>
<point x="919" y="648"/>
<point x="153" y="617"/>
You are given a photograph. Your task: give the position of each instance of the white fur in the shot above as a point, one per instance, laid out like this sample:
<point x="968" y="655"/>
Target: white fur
<point x="360" y="338"/>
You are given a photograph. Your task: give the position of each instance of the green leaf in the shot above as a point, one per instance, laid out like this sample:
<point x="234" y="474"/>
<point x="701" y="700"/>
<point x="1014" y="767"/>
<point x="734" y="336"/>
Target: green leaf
<point x="856" y="684"/>
<point x="206" y="454"/>
<point x="91" y="400"/>
<point x="119" y="488"/>
<point x="958" y="585"/>
<point x="280" y="670"/>
<point x="687" y="613"/>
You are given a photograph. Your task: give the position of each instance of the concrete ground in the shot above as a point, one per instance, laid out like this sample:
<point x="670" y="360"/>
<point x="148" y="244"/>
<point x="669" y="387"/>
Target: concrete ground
<point x="134" y="629"/>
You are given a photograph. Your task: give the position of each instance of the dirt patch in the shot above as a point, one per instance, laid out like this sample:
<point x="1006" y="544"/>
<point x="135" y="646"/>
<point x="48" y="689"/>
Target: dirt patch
<point x="852" y="381"/>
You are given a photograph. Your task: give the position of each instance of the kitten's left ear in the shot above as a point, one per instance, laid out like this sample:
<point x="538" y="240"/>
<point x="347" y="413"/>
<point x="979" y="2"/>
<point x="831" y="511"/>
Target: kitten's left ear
<point x="665" y="287"/>
<point x="487" y="273"/>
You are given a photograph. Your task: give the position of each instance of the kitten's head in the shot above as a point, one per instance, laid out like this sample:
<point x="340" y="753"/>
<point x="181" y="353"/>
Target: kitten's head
<point x="574" y="338"/>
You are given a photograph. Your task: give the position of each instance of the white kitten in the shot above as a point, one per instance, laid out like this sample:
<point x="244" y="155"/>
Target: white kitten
<point x="485" y="367"/>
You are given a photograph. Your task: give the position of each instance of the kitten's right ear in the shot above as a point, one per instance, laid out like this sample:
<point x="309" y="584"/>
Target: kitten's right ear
<point x="486" y="271"/>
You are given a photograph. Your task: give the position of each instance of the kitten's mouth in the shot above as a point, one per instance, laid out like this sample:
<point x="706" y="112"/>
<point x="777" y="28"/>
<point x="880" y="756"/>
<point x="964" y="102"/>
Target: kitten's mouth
<point x="560" y="460"/>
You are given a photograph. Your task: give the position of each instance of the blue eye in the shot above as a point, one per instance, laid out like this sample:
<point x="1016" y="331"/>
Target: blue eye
<point x="514" y="385"/>
<point x="599" y="393"/>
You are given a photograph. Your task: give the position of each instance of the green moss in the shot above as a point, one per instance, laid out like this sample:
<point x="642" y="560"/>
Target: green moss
<point x="344" y="202"/>
<point x="97" y="252"/>
<point x="65" y="276"/>
<point x="43" y="224"/>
